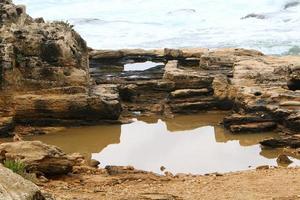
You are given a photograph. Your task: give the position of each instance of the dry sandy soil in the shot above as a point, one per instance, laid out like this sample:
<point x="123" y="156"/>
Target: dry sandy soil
<point x="91" y="184"/>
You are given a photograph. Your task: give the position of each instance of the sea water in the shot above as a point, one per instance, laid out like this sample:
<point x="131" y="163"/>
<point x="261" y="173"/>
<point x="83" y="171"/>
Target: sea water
<point x="115" y="24"/>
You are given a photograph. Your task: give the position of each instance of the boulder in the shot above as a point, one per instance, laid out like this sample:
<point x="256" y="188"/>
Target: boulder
<point x="284" y="160"/>
<point x="15" y="187"/>
<point x="94" y="163"/>
<point x="38" y="157"/>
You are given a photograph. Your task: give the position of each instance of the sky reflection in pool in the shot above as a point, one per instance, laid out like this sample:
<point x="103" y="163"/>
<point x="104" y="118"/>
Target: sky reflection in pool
<point x="186" y="144"/>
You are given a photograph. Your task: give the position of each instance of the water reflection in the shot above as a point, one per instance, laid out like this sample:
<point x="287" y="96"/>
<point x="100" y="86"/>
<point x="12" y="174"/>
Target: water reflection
<point x="141" y="66"/>
<point x="186" y="144"/>
<point x="85" y="140"/>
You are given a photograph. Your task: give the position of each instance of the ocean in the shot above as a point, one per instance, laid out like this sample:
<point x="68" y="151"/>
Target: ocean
<point x="271" y="26"/>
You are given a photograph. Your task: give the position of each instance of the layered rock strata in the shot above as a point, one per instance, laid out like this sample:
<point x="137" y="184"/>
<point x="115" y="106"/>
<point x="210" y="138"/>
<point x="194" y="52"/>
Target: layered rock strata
<point x="262" y="91"/>
<point x="45" y="74"/>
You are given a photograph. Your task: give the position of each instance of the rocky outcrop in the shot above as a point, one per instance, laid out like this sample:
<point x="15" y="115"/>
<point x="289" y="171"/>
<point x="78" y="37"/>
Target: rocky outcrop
<point x="189" y="82"/>
<point x="46" y="80"/>
<point x="262" y="91"/>
<point x="44" y="73"/>
<point x="15" y="187"/>
<point x="39" y="157"/>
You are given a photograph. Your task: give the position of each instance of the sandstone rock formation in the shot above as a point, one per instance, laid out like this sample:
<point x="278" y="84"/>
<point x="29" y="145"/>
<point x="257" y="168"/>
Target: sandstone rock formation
<point x="45" y="73"/>
<point x="15" y="187"/>
<point x="39" y="157"/>
<point x="262" y="91"/>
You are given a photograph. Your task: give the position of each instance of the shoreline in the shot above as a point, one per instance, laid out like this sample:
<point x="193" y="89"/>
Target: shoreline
<point x="254" y="184"/>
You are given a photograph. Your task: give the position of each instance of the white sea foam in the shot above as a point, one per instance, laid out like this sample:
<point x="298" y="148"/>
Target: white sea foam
<point x="114" y="24"/>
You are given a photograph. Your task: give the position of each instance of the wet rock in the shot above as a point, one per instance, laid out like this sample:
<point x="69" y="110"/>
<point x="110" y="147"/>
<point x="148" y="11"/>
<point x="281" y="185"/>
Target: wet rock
<point x="15" y="187"/>
<point x="253" y="127"/>
<point x="237" y="119"/>
<point x="38" y="157"/>
<point x="258" y="122"/>
<point x="284" y="141"/>
<point x="94" y="163"/>
<point x="293" y="121"/>
<point x="284" y="159"/>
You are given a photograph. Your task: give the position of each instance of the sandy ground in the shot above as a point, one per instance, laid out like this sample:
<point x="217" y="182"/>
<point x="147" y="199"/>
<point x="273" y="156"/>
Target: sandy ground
<point x="275" y="184"/>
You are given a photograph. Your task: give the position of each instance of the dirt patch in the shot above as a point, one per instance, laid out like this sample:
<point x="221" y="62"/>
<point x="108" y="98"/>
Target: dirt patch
<point x="91" y="184"/>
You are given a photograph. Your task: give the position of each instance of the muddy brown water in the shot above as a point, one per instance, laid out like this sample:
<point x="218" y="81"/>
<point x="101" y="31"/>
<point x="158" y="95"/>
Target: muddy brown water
<point x="186" y="144"/>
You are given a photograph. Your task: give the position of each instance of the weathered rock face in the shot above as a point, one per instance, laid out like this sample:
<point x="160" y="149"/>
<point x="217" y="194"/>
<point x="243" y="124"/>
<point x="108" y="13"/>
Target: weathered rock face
<point x="184" y="85"/>
<point x="15" y="187"/>
<point x="45" y="71"/>
<point x="263" y="91"/>
<point x="39" y="157"/>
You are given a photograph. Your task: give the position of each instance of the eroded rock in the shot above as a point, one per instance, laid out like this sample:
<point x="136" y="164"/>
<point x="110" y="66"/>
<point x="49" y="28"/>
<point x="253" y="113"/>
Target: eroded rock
<point x="45" y="72"/>
<point x="38" y="157"/>
<point x="15" y="187"/>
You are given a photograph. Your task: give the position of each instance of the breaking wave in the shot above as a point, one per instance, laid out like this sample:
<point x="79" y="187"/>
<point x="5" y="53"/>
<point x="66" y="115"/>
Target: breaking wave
<point x="272" y="26"/>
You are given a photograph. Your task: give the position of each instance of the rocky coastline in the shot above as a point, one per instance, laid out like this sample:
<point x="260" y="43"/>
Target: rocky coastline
<point x="50" y="78"/>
